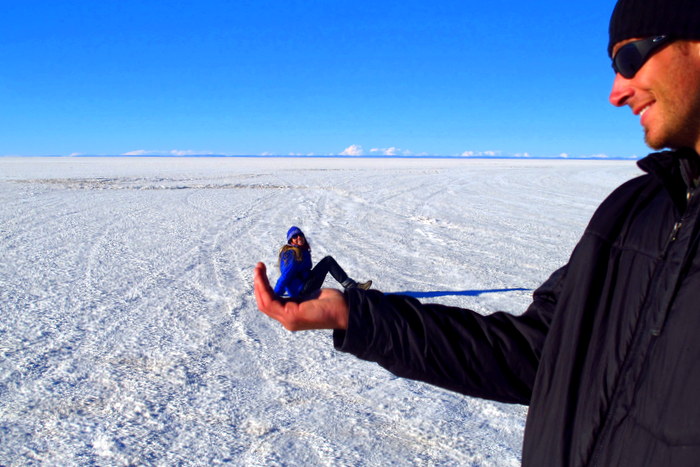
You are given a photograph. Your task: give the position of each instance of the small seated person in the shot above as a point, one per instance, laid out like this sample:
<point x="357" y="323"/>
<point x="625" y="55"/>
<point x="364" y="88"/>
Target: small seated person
<point x="298" y="277"/>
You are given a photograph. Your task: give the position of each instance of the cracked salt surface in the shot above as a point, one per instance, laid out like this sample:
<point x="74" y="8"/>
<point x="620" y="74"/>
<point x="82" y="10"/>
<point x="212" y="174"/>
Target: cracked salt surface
<point x="129" y="333"/>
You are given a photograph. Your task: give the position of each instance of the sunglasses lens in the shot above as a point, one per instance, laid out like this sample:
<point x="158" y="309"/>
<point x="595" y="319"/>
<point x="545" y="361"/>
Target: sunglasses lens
<point x="631" y="57"/>
<point x="628" y="61"/>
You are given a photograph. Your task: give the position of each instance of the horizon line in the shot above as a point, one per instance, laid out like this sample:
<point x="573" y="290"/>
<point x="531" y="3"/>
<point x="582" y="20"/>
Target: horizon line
<point x="331" y="156"/>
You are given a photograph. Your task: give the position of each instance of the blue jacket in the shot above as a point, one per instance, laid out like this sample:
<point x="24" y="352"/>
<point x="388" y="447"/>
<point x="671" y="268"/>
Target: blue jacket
<point x="293" y="273"/>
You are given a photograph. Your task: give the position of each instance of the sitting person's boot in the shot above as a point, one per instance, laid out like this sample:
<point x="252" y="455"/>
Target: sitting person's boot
<point x="351" y="284"/>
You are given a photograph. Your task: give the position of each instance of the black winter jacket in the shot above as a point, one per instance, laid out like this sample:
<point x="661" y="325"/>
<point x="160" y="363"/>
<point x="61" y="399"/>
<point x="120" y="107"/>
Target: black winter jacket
<point x="607" y="356"/>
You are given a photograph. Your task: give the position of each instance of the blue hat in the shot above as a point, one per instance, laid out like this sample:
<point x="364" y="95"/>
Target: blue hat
<point x="293" y="231"/>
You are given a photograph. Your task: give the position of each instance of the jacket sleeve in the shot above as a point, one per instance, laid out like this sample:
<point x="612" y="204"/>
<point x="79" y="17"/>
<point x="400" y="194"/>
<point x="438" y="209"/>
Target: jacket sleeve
<point x="493" y="357"/>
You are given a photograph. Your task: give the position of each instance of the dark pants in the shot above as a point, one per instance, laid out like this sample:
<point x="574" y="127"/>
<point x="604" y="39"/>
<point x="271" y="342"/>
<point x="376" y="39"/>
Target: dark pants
<point x="319" y="272"/>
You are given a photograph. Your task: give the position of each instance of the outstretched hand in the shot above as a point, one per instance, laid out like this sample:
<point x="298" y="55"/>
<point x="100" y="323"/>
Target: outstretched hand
<point x="326" y="310"/>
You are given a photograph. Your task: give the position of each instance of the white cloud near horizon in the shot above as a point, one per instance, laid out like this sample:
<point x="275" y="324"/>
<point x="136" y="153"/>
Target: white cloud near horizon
<point x="392" y="151"/>
<point x="353" y="150"/>
<point x="481" y="154"/>
<point x="173" y="152"/>
<point x="527" y="155"/>
<point x="358" y="150"/>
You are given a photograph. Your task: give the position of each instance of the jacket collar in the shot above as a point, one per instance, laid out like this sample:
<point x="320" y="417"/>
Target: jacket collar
<point x="678" y="171"/>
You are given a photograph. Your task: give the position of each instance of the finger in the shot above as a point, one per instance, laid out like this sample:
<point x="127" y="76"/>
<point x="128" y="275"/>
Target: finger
<point x="268" y="302"/>
<point x="260" y="271"/>
<point x="263" y="291"/>
<point x="261" y="277"/>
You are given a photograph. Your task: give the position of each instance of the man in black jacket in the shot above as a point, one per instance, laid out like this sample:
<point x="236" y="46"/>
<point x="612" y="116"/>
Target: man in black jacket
<point x="607" y="356"/>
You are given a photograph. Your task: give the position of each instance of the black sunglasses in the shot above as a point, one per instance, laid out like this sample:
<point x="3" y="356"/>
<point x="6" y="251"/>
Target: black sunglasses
<point x="631" y="57"/>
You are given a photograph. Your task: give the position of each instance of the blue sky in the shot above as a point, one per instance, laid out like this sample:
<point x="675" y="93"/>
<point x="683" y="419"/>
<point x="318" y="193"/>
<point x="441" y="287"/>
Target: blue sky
<point x="244" y="77"/>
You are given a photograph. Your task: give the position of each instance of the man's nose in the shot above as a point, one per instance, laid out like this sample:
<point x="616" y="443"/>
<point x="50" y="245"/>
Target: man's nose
<point x="621" y="91"/>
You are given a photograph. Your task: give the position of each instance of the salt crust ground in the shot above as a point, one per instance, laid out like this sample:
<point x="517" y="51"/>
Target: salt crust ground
<point x="129" y="332"/>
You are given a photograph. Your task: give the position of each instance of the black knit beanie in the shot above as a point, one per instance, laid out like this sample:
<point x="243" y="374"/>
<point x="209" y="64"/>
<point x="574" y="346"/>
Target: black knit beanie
<point x="645" y="18"/>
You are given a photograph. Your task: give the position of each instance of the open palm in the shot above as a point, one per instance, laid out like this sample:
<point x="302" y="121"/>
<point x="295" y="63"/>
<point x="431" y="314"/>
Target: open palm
<point x="327" y="309"/>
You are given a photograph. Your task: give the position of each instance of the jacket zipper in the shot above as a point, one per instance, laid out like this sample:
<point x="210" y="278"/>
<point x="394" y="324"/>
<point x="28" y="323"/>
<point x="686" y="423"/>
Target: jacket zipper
<point x="656" y="330"/>
<point x="674" y="233"/>
<point x="677" y="226"/>
<point x="639" y="342"/>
